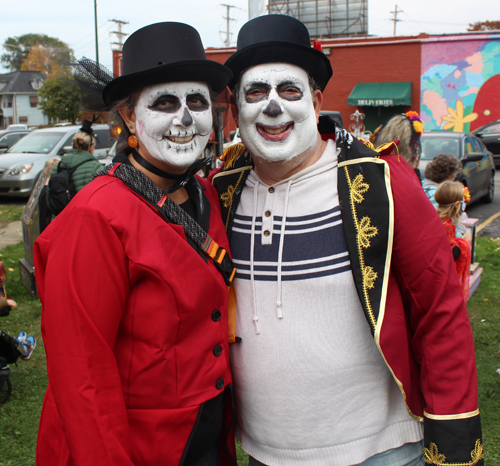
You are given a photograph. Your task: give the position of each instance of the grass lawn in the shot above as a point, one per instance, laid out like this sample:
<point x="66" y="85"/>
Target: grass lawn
<point x="19" y="416"/>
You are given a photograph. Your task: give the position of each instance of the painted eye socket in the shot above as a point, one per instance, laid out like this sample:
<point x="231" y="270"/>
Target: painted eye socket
<point x="197" y="103"/>
<point x="256" y="92"/>
<point x="289" y="92"/>
<point x="166" y="103"/>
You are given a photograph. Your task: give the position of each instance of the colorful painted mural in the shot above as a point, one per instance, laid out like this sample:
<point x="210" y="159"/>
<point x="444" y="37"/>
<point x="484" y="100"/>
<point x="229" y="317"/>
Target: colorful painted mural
<point x="460" y="82"/>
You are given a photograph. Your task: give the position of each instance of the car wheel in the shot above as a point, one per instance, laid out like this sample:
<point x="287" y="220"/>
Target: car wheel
<point x="488" y="199"/>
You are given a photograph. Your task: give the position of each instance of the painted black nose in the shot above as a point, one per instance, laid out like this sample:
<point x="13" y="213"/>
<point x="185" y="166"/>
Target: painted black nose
<point x="273" y="109"/>
<point x="187" y="119"/>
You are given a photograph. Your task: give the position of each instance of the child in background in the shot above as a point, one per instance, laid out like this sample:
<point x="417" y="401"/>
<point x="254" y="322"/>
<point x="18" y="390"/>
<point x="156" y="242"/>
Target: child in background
<point x="450" y="198"/>
<point x="10" y="347"/>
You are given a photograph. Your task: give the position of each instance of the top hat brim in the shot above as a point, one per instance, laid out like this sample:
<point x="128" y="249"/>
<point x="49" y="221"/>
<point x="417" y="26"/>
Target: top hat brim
<point x="311" y="60"/>
<point x="217" y="76"/>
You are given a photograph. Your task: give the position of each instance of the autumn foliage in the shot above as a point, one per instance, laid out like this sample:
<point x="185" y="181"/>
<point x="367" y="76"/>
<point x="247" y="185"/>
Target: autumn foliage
<point x="484" y="26"/>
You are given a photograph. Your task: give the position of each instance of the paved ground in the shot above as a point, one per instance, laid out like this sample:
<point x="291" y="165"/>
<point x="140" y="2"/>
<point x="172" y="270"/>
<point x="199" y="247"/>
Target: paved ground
<point x="10" y="234"/>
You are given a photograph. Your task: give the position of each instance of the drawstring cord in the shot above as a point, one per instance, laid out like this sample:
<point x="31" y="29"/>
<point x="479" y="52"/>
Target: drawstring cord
<point x="279" y="310"/>
<point x="252" y="249"/>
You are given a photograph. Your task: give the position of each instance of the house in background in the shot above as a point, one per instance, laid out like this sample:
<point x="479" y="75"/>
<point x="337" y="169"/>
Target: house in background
<point x="19" y="98"/>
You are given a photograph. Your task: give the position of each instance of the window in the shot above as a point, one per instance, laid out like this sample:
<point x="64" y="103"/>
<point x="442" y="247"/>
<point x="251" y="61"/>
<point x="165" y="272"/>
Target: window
<point x="7" y="101"/>
<point x="33" y="101"/>
<point x="478" y="146"/>
<point x="468" y="146"/>
<point x="11" y="139"/>
<point x="23" y="119"/>
<point x="37" y="84"/>
<point x="103" y="139"/>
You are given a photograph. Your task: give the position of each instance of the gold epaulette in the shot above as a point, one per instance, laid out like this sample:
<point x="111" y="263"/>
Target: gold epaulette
<point x="231" y="154"/>
<point x="383" y="149"/>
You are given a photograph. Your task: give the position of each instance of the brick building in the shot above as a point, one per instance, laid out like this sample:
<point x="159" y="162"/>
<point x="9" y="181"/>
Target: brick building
<point x="456" y="76"/>
<point x="431" y="74"/>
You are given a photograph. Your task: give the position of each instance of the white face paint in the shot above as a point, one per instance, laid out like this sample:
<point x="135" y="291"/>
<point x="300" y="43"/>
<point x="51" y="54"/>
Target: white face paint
<point x="174" y="121"/>
<point x="277" y="119"/>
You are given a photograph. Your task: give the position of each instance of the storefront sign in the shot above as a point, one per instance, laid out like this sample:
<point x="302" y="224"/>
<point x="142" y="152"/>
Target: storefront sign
<point x="375" y="103"/>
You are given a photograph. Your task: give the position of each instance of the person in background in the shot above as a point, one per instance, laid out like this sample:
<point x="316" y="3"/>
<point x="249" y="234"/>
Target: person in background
<point x="134" y="274"/>
<point x="80" y="161"/>
<point x="443" y="167"/>
<point x="450" y="197"/>
<point x="11" y="347"/>
<point x="406" y="129"/>
<point x="355" y="340"/>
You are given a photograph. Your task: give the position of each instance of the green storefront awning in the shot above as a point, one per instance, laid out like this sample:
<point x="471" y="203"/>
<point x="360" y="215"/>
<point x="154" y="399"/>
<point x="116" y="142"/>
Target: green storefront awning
<point x="380" y="94"/>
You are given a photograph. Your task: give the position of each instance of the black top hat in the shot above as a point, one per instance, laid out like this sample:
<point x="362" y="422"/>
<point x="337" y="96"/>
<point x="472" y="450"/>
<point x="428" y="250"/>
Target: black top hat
<point x="278" y="38"/>
<point x="164" y="52"/>
<point x="87" y="127"/>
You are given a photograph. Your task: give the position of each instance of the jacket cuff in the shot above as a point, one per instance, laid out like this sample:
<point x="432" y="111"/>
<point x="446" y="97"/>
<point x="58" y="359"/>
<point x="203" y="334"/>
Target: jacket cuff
<point x="453" y="440"/>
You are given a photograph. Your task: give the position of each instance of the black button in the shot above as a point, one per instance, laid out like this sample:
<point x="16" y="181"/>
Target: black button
<point x="216" y="315"/>
<point x="219" y="385"/>
<point x="217" y="350"/>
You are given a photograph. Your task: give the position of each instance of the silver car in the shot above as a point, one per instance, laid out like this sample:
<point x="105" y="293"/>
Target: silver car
<point x="476" y="160"/>
<point x="21" y="165"/>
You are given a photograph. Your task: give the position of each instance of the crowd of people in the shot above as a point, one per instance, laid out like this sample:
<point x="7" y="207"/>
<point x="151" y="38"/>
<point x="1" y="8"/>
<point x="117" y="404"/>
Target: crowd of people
<point x="308" y="298"/>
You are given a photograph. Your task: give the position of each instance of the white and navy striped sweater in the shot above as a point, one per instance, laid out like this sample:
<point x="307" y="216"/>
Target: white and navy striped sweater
<point x="311" y="385"/>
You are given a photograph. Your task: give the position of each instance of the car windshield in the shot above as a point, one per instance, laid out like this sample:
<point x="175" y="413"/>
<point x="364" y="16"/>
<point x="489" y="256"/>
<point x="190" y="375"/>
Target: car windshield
<point x="37" y="143"/>
<point x="435" y="145"/>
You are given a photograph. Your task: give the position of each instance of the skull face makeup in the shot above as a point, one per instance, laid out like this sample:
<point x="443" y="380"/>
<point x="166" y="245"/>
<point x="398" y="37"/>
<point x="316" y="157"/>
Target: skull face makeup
<point x="174" y="121"/>
<point x="277" y="117"/>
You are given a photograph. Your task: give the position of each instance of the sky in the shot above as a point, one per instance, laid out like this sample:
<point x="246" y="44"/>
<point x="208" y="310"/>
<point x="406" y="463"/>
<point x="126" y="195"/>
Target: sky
<point x="72" y="21"/>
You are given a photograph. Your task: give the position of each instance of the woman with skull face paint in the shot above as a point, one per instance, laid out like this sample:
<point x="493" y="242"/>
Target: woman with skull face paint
<point x="134" y="304"/>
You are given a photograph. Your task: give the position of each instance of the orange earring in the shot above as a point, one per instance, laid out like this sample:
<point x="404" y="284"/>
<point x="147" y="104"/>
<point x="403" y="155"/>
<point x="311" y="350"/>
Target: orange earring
<point x="132" y="141"/>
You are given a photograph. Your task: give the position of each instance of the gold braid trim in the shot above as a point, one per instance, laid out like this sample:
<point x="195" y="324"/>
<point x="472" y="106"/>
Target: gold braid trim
<point x="364" y="231"/>
<point x="432" y="456"/>
<point x="227" y="197"/>
<point x="231" y="154"/>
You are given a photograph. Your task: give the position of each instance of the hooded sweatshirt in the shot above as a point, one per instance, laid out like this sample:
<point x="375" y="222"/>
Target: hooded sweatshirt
<point x="311" y="386"/>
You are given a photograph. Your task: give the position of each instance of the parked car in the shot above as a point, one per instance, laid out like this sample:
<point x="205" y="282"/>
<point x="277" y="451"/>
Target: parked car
<point x="490" y="136"/>
<point x="234" y="137"/>
<point x="477" y="160"/>
<point x="17" y="127"/>
<point x="337" y="116"/>
<point x="21" y="165"/>
<point x="9" y="138"/>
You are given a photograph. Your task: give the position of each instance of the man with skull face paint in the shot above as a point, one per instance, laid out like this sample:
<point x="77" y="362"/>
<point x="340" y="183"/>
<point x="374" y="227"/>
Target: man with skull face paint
<point x="134" y="312"/>
<point x="356" y="346"/>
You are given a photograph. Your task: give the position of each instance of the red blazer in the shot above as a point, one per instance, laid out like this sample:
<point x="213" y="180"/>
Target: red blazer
<point x="130" y="320"/>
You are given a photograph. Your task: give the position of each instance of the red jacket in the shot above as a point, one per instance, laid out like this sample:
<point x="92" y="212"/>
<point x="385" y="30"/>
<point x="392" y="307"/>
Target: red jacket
<point x="130" y="320"/>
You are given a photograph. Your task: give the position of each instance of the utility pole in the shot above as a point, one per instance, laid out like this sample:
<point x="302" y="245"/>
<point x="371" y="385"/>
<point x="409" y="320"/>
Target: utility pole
<point x="396" y="20"/>
<point x="121" y="35"/>
<point x="227" y="41"/>
<point x="96" y="37"/>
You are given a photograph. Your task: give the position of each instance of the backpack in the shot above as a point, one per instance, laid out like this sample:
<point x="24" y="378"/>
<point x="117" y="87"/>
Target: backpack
<point x="61" y="189"/>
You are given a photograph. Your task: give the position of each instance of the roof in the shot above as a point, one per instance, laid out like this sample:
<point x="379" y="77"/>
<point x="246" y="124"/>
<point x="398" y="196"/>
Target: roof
<point x="20" y="81"/>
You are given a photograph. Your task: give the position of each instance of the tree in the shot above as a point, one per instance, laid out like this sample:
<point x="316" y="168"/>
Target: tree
<point x="39" y="59"/>
<point x="484" y="26"/>
<point x="18" y="48"/>
<point x="60" y="98"/>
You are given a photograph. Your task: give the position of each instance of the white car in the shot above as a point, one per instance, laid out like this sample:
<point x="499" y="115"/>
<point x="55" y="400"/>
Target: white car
<point x="21" y="165"/>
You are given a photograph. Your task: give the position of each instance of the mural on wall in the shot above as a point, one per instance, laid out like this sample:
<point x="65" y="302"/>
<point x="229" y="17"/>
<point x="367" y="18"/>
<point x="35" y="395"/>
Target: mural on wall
<point x="460" y="83"/>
